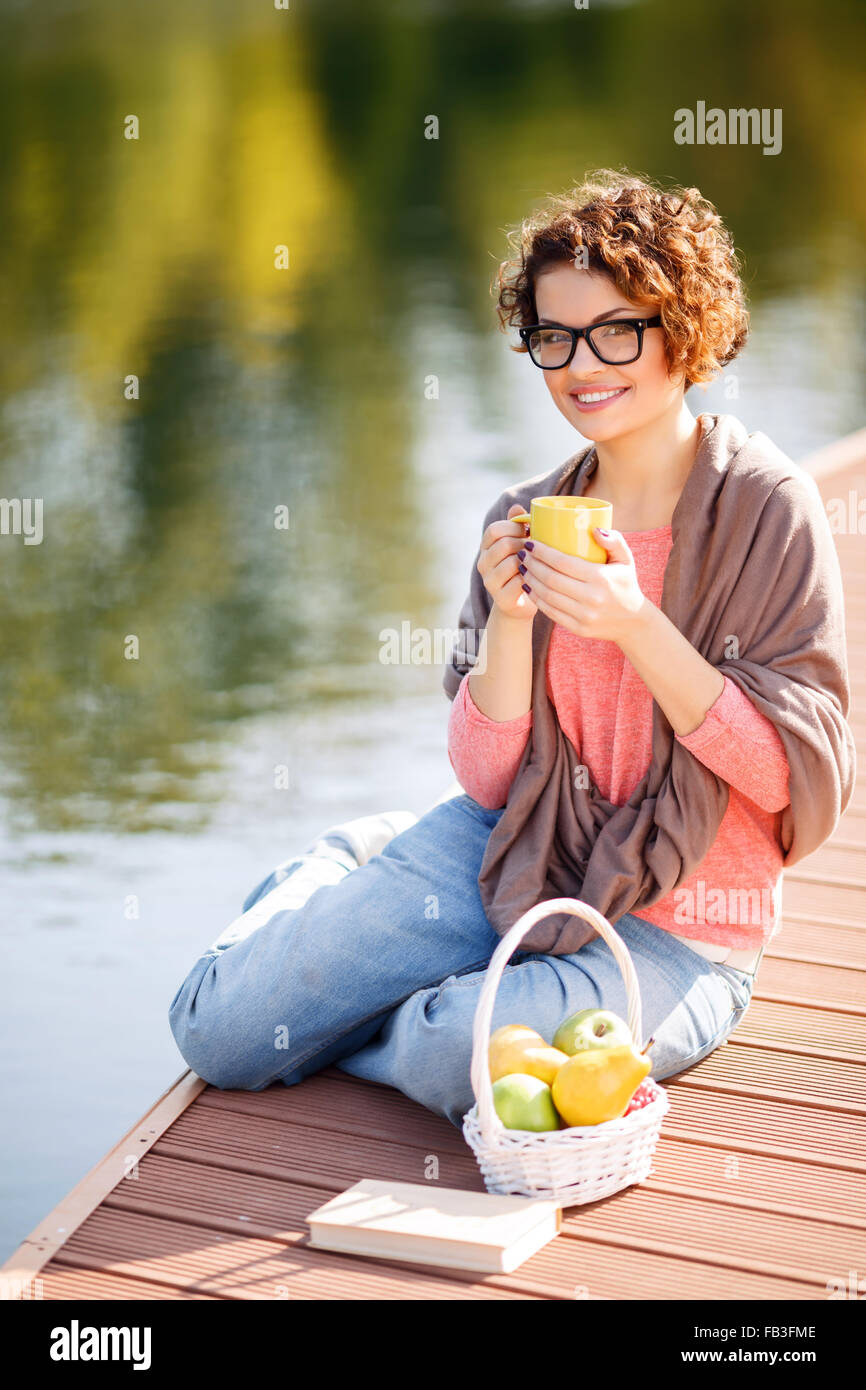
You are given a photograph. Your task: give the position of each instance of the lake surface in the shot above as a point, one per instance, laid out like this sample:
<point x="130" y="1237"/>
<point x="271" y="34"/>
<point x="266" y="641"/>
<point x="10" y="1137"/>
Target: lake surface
<point x="147" y="785"/>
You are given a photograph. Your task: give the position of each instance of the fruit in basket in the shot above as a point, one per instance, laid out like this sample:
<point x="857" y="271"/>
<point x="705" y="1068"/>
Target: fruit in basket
<point x="524" y="1102"/>
<point x="518" y="1049"/>
<point x="644" y="1095"/>
<point x="515" y="1032"/>
<point x="597" y="1084"/>
<point x="592" y="1028"/>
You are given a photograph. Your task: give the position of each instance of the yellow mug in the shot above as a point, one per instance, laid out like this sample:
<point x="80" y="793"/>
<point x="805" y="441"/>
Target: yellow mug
<point x="566" y="524"/>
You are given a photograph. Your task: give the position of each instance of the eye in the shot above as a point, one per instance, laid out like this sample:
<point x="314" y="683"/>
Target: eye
<point x="616" y="330"/>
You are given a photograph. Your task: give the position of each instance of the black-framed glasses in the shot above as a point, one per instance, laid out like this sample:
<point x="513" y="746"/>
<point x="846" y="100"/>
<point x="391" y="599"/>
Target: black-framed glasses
<point x="616" y="341"/>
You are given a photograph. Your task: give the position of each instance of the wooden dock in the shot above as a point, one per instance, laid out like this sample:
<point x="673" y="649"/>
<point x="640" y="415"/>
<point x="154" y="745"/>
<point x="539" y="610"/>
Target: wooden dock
<point x="757" y="1190"/>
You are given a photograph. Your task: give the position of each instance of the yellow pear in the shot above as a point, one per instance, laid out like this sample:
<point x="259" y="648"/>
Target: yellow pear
<point x="597" y="1085"/>
<point x="515" y="1048"/>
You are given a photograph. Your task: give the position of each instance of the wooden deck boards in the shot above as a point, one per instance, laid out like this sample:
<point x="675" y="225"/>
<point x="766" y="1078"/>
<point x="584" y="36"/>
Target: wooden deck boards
<point x="757" y="1189"/>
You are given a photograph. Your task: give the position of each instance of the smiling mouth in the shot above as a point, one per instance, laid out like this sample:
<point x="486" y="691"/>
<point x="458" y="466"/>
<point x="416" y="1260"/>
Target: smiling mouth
<point x="585" y="398"/>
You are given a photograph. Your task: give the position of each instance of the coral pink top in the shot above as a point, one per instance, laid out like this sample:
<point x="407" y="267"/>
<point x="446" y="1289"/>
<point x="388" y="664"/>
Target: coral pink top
<point x="734" y="896"/>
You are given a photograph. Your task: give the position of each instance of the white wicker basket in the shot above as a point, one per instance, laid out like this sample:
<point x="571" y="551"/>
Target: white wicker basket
<point x="575" y="1165"/>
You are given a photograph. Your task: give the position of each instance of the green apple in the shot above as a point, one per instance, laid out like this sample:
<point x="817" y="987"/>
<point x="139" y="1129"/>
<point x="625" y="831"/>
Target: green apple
<point x="592" y="1028"/>
<point x="524" y="1102"/>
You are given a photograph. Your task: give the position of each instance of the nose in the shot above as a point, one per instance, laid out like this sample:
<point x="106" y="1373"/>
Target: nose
<point x="584" y="362"/>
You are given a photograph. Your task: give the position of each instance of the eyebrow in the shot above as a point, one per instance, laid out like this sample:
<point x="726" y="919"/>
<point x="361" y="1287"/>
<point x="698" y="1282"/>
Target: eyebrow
<point x="599" y="318"/>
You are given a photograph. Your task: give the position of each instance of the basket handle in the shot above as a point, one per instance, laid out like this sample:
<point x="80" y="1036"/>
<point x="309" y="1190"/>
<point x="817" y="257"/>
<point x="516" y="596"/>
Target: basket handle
<point x="490" y="1123"/>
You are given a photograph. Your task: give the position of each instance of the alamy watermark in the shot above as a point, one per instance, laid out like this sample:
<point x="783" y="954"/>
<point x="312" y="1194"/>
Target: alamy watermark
<point x="77" y="1343"/>
<point x="22" y="516"/>
<point x="424" y="646"/>
<point x="847" y="516"/>
<point x="723" y="906"/>
<point x="736" y="126"/>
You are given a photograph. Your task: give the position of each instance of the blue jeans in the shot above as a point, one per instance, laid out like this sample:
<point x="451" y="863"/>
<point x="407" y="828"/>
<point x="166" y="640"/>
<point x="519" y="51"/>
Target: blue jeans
<point x="376" y="969"/>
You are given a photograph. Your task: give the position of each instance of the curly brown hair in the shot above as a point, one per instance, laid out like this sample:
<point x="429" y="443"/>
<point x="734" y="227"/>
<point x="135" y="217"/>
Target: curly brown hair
<point x="666" y="246"/>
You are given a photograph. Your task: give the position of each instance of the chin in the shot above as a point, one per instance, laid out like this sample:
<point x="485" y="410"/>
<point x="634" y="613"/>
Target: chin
<point x="594" y="427"/>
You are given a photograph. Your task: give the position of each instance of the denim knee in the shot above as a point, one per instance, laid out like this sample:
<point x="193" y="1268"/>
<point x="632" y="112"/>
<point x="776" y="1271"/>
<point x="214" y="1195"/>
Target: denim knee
<point x="210" y="1048"/>
<point x="425" y="1069"/>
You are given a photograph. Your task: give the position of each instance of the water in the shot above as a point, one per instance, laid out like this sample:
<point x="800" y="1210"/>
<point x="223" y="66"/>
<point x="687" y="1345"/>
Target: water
<point x="138" y="798"/>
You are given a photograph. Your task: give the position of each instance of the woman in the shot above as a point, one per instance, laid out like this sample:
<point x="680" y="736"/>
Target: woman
<point x="604" y="753"/>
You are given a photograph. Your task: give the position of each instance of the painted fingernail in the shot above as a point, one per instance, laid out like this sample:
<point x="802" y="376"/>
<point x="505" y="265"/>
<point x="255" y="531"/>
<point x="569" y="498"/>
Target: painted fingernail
<point x="526" y="587"/>
<point x="521" y="554"/>
<point x="530" y="545"/>
<point x="602" y="533"/>
<point x="522" y="569"/>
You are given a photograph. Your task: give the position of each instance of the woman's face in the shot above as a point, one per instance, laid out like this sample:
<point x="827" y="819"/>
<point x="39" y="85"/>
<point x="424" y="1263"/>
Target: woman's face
<point x="644" y="389"/>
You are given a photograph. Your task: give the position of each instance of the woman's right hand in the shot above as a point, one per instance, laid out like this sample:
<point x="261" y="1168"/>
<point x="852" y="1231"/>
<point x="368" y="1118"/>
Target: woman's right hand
<point x="498" y="562"/>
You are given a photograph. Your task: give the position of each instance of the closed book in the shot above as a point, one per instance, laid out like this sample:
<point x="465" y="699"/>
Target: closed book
<point x="435" y="1225"/>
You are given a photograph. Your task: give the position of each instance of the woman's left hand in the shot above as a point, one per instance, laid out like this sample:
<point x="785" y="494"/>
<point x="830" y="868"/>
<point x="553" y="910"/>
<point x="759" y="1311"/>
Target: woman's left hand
<point x="589" y="599"/>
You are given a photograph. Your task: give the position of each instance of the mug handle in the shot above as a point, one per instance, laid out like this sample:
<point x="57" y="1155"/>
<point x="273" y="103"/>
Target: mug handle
<point x="524" y="517"/>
